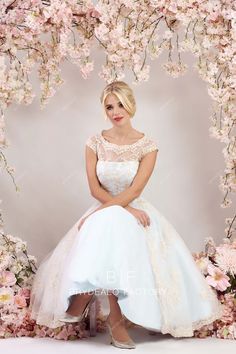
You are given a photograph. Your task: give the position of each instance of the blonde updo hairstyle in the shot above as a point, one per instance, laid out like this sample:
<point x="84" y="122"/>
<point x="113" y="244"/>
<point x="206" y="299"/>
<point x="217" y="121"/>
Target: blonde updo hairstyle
<point x="123" y="92"/>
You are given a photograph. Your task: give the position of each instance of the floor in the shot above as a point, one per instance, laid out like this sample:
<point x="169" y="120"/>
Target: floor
<point x="159" y="343"/>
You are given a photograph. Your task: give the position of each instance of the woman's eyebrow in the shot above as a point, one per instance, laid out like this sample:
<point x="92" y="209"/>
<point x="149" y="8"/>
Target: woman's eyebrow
<point x="109" y="104"/>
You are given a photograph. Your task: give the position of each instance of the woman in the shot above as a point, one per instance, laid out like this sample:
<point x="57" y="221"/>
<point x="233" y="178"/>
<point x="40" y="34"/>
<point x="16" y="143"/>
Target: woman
<point x="123" y="245"/>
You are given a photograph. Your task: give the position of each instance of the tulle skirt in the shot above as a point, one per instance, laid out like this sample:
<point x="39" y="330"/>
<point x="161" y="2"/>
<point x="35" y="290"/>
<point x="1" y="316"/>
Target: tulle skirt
<point x="150" y="270"/>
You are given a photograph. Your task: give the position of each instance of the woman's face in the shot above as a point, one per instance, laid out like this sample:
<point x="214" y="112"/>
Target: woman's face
<point x="114" y="109"/>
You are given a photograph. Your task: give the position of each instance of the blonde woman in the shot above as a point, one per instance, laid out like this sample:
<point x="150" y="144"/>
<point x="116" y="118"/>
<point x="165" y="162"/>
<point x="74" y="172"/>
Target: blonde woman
<point x="123" y="249"/>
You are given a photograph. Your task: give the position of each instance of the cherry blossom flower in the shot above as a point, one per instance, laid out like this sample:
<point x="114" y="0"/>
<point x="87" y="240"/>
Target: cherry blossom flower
<point x="217" y="279"/>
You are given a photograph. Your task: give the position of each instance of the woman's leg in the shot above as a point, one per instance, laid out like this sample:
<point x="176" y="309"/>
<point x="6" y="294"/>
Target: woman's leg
<point x="116" y="320"/>
<point x="78" y="303"/>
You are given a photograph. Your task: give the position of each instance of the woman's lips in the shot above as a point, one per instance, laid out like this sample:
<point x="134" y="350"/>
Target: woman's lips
<point x="118" y="119"/>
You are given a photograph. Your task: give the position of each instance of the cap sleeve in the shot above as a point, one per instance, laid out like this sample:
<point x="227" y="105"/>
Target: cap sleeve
<point x="148" y="146"/>
<point x="92" y="143"/>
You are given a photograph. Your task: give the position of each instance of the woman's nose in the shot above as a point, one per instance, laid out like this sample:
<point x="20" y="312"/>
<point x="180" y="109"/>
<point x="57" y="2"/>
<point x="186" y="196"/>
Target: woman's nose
<point x="116" y="112"/>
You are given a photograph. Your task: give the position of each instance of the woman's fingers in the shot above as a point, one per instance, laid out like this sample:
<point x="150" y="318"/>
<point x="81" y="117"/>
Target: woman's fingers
<point x="147" y="219"/>
<point x="144" y="219"/>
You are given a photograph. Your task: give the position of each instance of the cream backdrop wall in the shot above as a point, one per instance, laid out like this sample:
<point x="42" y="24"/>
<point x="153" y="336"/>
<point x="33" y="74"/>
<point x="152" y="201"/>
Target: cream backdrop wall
<point x="47" y="150"/>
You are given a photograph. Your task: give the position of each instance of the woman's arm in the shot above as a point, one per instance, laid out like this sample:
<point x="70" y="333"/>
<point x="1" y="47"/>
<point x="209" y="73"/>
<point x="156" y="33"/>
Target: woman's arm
<point x="145" y="170"/>
<point x="103" y="196"/>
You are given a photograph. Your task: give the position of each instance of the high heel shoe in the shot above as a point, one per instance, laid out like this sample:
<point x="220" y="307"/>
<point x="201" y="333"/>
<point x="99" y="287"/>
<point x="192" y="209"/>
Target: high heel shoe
<point x="71" y="319"/>
<point x="123" y="345"/>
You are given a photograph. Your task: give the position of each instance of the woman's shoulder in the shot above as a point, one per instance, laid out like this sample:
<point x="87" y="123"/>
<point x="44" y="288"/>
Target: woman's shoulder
<point x="148" y="144"/>
<point x="92" y="141"/>
<point x="93" y="137"/>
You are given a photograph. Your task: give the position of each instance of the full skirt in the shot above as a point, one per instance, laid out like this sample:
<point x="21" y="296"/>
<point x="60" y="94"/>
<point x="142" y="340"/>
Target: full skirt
<point x="150" y="270"/>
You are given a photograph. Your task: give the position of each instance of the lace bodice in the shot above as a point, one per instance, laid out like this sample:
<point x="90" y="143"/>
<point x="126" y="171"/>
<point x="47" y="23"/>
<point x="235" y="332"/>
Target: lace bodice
<point x="117" y="165"/>
<point x="107" y="151"/>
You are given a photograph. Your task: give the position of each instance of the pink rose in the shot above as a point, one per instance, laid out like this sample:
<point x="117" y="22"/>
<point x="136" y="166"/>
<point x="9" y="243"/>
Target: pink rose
<point x="24" y="292"/>
<point x="20" y="301"/>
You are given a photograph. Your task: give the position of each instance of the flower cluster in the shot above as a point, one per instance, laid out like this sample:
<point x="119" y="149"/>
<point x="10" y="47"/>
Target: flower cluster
<point x="17" y="269"/>
<point x="218" y="265"/>
<point x="44" y="34"/>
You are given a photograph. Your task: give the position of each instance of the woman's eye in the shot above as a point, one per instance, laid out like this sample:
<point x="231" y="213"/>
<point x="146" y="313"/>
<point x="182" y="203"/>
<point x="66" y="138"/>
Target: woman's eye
<point x="121" y="105"/>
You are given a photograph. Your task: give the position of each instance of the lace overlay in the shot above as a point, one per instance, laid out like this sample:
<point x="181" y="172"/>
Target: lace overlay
<point x="107" y="151"/>
<point x="46" y="305"/>
<point x="171" y="289"/>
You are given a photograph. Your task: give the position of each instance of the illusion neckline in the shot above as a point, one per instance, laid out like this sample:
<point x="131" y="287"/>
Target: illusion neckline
<point x="108" y="142"/>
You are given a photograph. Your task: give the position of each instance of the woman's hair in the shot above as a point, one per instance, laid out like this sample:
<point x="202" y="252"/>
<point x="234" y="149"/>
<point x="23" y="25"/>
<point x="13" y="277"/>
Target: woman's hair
<point x="123" y="92"/>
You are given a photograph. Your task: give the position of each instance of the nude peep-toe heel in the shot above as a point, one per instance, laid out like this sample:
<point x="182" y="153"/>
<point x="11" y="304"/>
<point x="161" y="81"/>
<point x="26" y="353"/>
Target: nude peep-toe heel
<point x="72" y="319"/>
<point x="123" y="345"/>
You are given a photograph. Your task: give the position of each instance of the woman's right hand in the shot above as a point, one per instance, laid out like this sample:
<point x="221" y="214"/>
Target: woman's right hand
<point x="140" y="215"/>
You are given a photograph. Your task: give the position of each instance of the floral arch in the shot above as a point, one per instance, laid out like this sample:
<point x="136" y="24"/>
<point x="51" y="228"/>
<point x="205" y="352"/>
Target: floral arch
<point x="45" y="33"/>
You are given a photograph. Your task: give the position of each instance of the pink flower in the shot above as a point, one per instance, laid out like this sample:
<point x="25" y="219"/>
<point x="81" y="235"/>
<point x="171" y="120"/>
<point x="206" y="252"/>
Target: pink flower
<point x="63" y="334"/>
<point x="226" y="258"/>
<point x="217" y="279"/>
<point x="20" y="301"/>
<point x="40" y="331"/>
<point x="7" y="278"/>
<point x="24" y="292"/>
<point x="93" y="13"/>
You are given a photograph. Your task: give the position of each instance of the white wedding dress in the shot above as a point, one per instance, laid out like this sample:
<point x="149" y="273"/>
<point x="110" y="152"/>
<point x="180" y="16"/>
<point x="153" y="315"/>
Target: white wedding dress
<point x="156" y="279"/>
